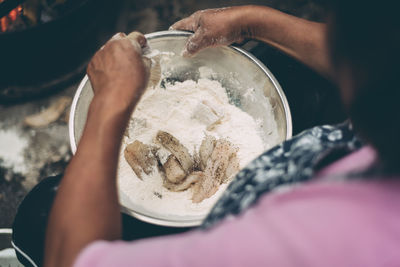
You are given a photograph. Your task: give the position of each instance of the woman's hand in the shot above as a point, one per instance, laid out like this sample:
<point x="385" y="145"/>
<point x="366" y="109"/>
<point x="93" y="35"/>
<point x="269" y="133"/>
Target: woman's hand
<point x="299" y="38"/>
<point x="213" y="27"/>
<point x="118" y="72"/>
<point x="86" y="207"/>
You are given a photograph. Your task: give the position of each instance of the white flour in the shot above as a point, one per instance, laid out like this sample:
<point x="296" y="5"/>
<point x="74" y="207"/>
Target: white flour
<point x="12" y="147"/>
<point x="171" y="110"/>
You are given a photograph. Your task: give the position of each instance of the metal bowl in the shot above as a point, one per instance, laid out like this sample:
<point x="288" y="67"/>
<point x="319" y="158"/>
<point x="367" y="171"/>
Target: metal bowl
<point x="236" y="69"/>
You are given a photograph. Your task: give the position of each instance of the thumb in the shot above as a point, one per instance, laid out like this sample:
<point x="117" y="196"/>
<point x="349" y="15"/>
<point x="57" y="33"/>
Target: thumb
<point x="138" y="40"/>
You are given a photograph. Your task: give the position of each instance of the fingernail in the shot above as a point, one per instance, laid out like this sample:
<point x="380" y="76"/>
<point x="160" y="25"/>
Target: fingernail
<point x="171" y="28"/>
<point x="186" y="53"/>
<point x="143" y="42"/>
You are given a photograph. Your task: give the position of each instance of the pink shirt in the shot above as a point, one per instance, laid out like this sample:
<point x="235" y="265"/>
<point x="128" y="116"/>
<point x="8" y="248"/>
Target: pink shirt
<point x="322" y="223"/>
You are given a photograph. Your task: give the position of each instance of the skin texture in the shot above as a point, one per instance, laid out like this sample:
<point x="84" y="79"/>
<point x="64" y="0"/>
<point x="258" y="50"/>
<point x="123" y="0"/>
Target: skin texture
<point x="299" y="38"/>
<point x="211" y="27"/>
<point x="86" y="207"/>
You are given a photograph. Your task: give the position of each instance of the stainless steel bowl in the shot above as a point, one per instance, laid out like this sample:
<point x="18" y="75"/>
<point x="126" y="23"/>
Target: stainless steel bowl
<point x="236" y="69"/>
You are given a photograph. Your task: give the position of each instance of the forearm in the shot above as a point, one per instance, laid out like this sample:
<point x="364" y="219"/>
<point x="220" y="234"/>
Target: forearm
<point x="299" y="38"/>
<point x="86" y="207"/>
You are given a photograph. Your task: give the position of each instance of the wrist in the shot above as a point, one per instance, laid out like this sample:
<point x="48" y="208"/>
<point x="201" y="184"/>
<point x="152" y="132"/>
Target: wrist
<point x="109" y="111"/>
<point x="111" y="99"/>
<point x="252" y="19"/>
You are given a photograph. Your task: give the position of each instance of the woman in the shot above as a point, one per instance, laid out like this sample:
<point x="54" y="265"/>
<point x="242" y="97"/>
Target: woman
<point x="345" y="214"/>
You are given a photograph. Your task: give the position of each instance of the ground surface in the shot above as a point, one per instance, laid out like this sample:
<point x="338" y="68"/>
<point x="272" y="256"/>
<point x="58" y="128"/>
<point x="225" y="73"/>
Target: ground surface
<point x="28" y="155"/>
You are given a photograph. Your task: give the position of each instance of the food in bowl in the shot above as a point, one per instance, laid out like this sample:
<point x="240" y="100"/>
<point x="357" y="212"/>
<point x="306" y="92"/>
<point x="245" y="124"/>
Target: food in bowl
<point x="213" y="164"/>
<point x="251" y="91"/>
<point x="185" y="143"/>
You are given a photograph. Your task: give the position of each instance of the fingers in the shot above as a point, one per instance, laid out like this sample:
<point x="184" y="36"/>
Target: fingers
<point x="195" y="43"/>
<point x="138" y="41"/>
<point x="139" y="38"/>
<point x="190" y="23"/>
<point x="186" y="24"/>
<point x="147" y="64"/>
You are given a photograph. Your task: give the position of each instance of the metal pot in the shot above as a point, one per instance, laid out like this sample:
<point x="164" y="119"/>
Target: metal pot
<point x="237" y="71"/>
<point x="7" y="253"/>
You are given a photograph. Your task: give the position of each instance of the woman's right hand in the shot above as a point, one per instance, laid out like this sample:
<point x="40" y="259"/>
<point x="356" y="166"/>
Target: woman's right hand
<point x="213" y="27"/>
<point x="118" y="72"/>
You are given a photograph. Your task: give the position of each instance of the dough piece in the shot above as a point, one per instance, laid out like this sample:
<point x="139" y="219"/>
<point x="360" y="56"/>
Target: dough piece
<point x="217" y="111"/>
<point x="204" y="188"/>
<point x="196" y="159"/>
<point x="140" y="157"/>
<point x="206" y="149"/>
<point x="207" y="115"/>
<point x="215" y="172"/>
<point x="233" y="167"/>
<point x="204" y="114"/>
<point x="218" y="160"/>
<point x="192" y="178"/>
<point x="173" y="170"/>
<point x="177" y="149"/>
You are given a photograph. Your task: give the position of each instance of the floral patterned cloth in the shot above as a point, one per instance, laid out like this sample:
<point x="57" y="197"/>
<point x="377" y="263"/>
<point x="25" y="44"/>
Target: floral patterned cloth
<point x="293" y="161"/>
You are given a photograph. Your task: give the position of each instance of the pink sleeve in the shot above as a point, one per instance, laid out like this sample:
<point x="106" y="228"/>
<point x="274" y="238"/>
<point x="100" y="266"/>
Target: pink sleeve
<point x="345" y="224"/>
<point x="233" y="243"/>
<point x="218" y="247"/>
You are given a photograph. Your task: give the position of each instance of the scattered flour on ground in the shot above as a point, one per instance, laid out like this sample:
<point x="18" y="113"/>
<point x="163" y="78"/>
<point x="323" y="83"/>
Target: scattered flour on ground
<point x="12" y="147"/>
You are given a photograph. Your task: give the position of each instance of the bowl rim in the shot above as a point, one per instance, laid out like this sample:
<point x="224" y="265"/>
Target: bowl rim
<point x="174" y="33"/>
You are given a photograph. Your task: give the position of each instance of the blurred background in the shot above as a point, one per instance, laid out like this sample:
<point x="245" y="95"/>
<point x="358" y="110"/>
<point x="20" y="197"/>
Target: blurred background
<point x="45" y="46"/>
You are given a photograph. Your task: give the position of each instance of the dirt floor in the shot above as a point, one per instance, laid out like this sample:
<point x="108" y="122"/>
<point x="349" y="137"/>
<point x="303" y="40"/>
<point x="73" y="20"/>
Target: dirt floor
<point x="29" y="154"/>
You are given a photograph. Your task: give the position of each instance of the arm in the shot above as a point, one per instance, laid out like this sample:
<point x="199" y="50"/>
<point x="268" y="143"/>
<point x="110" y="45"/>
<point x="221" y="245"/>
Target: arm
<point x="299" y="38"/>
<point x="86" y="206"/>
